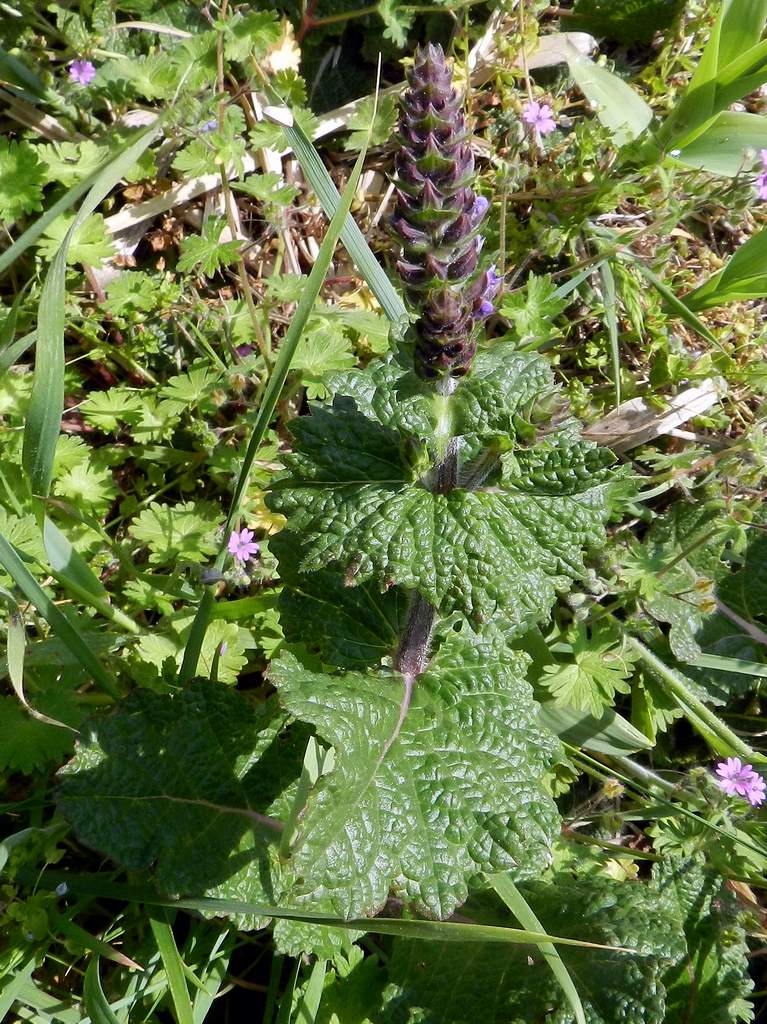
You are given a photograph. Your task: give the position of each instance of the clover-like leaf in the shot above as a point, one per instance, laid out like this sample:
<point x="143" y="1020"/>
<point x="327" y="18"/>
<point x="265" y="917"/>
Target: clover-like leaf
<point x="189" y="785"/>
<point x="430" y="787"/>
<point x="354" y="496"/>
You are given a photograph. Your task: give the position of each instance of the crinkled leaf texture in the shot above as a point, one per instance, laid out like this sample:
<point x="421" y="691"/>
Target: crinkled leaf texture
<point x="711" y="985"/>
<point x="355" y="494"/>
<point x="456" y="983"/>
<point x="427" y="794"/>
<point x="347" y="627"/>
<point x="500" y="394"/>
<point x="186" y="784"/>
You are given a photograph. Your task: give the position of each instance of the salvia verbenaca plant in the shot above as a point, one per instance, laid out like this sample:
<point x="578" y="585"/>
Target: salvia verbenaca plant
<point x="438" y="221"/>
<point x="434" y="508"/>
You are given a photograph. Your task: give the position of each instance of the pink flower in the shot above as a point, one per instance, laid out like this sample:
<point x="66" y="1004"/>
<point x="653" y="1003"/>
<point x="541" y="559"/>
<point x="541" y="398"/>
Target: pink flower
<point x="242" y="545"/>
<point x="82" y="72"/>
<point x="738" y="779"/>
<point x="539" y="116"/>
<point x="761" y="185"/>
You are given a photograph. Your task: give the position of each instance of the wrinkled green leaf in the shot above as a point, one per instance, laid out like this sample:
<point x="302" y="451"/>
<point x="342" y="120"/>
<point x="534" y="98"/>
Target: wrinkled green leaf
<point x="434" y="984"/>
<point x="353" y="494"/>
<point x="429" y="788"/>
<point x="185" y="785"/>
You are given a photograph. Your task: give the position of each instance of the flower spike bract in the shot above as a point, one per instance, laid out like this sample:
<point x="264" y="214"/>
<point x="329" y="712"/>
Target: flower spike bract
<point x="437" y="220"/>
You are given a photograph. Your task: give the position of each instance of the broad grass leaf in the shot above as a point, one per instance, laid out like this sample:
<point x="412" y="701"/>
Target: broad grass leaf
<point x="619" y="107"/>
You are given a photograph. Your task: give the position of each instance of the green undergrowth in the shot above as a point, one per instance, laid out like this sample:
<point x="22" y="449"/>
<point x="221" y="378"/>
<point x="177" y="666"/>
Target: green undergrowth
<point x="226" y="792"/>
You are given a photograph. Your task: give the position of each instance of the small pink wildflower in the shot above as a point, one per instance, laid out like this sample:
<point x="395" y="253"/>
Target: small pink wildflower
<point x="738" y="779"/>
<point x="242" y="545"/>
<point x="539" y="116"/>
<point x="82" y="72"/>
<point x="761" y="179"/>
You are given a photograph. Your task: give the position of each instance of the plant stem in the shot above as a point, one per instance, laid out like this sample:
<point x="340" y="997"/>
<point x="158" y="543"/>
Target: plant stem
<point x="413" y="652"/>
<point x="412" y="655"/>
<point x="701" y="717"/>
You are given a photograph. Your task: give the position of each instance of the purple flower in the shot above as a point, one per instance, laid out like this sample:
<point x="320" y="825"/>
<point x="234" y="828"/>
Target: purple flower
<point x="82" y="72"/>
<point x="761" y="185"/>
<point x="483" y="304"/>
<point x="738" y="779"/>
<point x="242" y="545"/>
<point x="479" y="208"/>
<point x="539" y="116"/>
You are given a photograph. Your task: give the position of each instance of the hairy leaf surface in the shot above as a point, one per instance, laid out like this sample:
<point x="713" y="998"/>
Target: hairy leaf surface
<point x="423" y="796"/>
<point x="353" y="495"/>
<point x="504" y="383"/>
<point x="350" y="627"/>
<point x="184" y="784"/>
<point x="711" y="984"/>
<point x="452" y="983"/>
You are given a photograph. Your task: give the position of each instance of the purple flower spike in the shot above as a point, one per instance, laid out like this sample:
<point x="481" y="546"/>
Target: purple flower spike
<point x="242" y="545"/>
<point x="738" y="779"/>
<point x="82" y="72"/>
<point x="539" y="116"/>
<point x="437" y="219"/>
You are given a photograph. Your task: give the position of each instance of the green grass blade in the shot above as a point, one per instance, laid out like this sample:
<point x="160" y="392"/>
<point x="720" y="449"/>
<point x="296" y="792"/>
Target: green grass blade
<point x="73" y="572"/>
<point x="61" y="626"/>
<point x="96" y="1002"/>
<point x="174" y="969"/>
<point x="33" y="232"/>
<point x="524" y="913"/>
<point x="310" y="1004"/>
<point x="84" y="939"/>
<point x="13" y="71"/>
<point x="46" y="405"/>
<point x="611" y="322"/>
<point x="14" y="350"/>
<point x="432" y="931"/>
<point x="286" y="1000"/>
<point x="724" y="664"/>
<point x="675" y="304"/>
<point x="351" y="236"/>
<point x="702" y="718"/>
<point x="570" y="286"/>
<point x="269" y="402"/>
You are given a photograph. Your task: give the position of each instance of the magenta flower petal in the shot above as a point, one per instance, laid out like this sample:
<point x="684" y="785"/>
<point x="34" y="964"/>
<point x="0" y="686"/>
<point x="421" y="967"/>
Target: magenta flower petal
<point x="738" y="779"/>
<point x="242" y="545"/>
<point x="539" y="116"/>
<point x="82" y="72"/>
